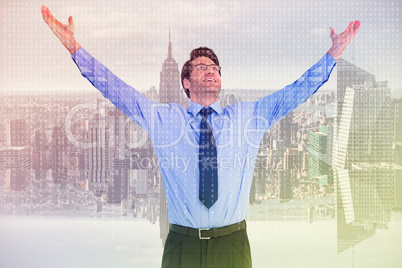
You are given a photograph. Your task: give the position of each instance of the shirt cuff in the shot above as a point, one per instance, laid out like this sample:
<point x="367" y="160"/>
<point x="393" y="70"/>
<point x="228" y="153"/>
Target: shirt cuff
<point x="75" y="53"/>
<point x="330" y="57"/>
<point x="81" y="54"/>
<point x="329" y="63"/>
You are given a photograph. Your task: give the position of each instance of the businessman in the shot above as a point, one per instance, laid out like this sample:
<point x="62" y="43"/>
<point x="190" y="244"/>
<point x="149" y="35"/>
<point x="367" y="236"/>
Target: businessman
<point x="207" y="197"/>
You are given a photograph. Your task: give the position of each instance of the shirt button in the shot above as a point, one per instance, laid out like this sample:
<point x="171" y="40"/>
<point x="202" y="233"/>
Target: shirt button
<point x="212" y="212"/>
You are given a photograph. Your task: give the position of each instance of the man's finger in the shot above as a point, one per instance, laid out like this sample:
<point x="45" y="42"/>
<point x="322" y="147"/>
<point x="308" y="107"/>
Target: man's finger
<point x="43" y="9"/>
<point x="332" y="31"/>
<point x="48" y="17"/>
<point x="348" y="28"/>
<point x="70" y="21"/>
<point x="43" y="13"/>
<point x="71" y="24"/>
<point x="356" y="26"/>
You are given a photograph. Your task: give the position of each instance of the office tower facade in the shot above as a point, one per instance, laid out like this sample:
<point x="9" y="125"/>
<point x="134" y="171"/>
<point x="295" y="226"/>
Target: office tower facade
<point x="163" y="215"/>
<point x="365" y="132"/>
<point x="284" y="128"/>
<point x="349" y="75"/>
<point x="320" y="155"/>
<point x="58" y="154"/>
<point x="261" y="176"/>
<point x="397" y="118"/>
<point x="15" y="163"/>
<point x="97" y="156"/>
<point x="40" y="160"/>
<point x="292" y="159"/>
<point x="118" y="126"/>
<point x="285" y="193"/>
<point x="16" y="132"/>
<point x="119" y="130"/>
<point x="118" y="186"/>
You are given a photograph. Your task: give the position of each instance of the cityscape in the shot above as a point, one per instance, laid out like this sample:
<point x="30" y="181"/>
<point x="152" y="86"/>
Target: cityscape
<point x="336" y="157"/>
<point x="79" y="181"/>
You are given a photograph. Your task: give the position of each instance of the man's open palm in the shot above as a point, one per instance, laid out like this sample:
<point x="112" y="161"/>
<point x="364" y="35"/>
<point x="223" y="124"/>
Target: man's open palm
<point x="341" y="41"/>
<point x="64" y="32"/>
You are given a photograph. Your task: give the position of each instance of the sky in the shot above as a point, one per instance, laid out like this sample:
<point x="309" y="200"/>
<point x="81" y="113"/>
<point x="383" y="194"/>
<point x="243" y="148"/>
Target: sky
<point x="261" y="45"/>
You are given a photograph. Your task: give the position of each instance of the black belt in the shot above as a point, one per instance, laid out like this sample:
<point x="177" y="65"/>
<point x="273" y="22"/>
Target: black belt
<point x="208" y="233"/>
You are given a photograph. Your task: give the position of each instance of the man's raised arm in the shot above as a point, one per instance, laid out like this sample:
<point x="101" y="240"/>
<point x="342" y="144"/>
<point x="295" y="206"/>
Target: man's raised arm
<point x="277" y="105"/>
<point x="128" y="100"/>
<point x="65" y="33"/>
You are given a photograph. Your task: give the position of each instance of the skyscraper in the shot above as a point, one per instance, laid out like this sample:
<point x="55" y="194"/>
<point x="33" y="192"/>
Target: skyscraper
<point x="58" y="154"/>
<point x="98" y="162"/>
<point x="320" y="155"/>
<point x="349" y="75"/>
<point x="16" y="132"/>
<point x="15" y="162"/>
<point x="284" y="127"/>
<point x="362" y="155"/>
<point x="365" y="132"/>
<point x="285" y="193"/>
<point x="397" y="117"/>
<point x="118" y="126"/>
<point x="169" y="86"/>
<point x="169" y="92"/>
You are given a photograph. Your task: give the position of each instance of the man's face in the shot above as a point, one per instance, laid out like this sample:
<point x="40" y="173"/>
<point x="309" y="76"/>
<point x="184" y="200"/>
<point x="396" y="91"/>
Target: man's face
<point x="203" y="81"/>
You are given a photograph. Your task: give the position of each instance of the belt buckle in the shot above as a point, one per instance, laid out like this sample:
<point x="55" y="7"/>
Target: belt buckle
<point x="201" y="237"/>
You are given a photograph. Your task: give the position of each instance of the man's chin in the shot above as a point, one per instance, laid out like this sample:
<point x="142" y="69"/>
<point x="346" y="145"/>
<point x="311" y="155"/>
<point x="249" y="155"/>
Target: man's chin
<point x="212" y="89"/>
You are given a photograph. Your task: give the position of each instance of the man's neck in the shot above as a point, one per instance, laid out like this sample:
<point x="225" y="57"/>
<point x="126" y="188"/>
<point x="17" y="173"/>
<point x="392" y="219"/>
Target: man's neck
<point x="204" y="101"/>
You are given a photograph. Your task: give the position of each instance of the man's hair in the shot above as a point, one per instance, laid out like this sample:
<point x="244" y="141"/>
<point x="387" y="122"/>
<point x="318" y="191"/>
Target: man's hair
<point x="187" y="67"/>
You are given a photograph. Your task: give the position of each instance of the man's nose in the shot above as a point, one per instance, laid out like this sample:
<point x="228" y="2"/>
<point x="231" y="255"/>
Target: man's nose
<point x="209" y="70"/>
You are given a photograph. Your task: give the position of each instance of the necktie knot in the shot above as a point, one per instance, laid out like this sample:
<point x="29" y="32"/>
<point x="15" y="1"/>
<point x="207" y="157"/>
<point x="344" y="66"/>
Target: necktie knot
<point x="206" y="111"/>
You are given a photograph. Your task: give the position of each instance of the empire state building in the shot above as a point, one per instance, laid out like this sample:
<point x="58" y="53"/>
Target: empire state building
<point x="169" y="86"/>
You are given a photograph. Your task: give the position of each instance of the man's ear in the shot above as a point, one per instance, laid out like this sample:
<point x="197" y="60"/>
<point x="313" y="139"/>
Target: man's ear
<point x="186" y="83"/>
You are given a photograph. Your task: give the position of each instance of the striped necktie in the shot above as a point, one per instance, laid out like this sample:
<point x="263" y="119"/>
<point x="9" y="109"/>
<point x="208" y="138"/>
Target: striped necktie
<point x="207" y="161"/>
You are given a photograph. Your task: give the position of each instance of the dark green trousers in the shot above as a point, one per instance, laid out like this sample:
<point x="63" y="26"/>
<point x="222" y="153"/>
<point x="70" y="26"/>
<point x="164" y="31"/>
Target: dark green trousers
<point x="188" y="251"/>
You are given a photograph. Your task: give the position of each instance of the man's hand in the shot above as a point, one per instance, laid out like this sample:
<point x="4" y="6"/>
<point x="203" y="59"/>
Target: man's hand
<point x="65" y="33"/>
<point x="341" y="41"/>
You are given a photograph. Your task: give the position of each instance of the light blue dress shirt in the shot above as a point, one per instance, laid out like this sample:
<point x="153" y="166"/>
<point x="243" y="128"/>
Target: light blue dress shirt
<point x="238" y="130"/>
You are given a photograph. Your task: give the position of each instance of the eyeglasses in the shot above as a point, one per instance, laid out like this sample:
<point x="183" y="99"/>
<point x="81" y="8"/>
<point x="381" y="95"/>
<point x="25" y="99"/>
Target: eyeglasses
<point x="204" y="67"/>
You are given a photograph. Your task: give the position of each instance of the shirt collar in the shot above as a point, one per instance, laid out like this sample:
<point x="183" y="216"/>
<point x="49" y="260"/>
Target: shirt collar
<point x="195" y="108"/>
